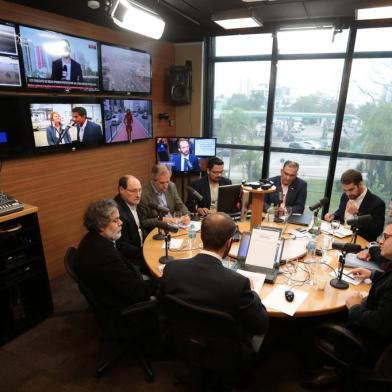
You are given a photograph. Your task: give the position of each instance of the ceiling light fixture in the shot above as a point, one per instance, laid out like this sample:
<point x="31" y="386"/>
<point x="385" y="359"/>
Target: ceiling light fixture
<point x="236" y="19"/>
<point x="135" y="17"/>
<point x="93" y="4"/>
<point x="374" y="13"/>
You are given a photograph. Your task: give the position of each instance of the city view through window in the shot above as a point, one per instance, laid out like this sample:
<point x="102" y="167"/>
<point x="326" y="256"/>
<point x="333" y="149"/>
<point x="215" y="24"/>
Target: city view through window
<point x="309" y="74"/>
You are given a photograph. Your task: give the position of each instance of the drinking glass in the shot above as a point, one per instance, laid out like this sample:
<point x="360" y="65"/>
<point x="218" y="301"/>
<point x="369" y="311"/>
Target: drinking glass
<point x="335" y="224"/>
<point x="287" y="211"/>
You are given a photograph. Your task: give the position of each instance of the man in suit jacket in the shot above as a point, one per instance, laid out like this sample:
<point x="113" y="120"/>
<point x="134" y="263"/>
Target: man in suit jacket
<point x="132" y="234"/>
<point x="88" y="132"/>
<point x="66" y="68"/>
<point x="100" y="265"/>
<point x="358" y="200"/>
<point x="184" y="161"/>
<point x="369" y="317"/>
<point x="208" y="187"/>
<point x="161" y="191"/>
<point x="204" y="281"/>
<point x="291" y="191"/>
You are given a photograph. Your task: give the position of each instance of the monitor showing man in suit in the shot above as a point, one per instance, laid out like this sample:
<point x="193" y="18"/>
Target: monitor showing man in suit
<point x="66" y="68"/>
<point x="87" y="131"/>
<point x="358" y="200"/>
<point x="208" y="187"/>
<point x="291" y="191"/>
<point x="184" y="161"/>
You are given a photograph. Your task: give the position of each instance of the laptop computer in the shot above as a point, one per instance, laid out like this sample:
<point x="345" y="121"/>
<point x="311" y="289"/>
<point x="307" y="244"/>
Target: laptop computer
<point x="261" y="251"/>
<point x="300" y="219"/>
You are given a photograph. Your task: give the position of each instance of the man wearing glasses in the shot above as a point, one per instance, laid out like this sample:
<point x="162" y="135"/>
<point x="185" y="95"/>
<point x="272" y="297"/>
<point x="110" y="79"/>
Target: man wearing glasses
<point x="291" y="191"/>
<point x="101" y="266"/>
<point x="132" y="234"/>
<point x="208" y="187"/>
<point x="371" y="317"/>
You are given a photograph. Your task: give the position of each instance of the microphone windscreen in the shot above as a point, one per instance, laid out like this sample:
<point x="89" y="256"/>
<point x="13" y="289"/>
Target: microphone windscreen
<point x="346" y="247"/>
<point x="360" y="221"/>
<point x="166" y="226"/>
<point x="195" y="193"/>
<point x="158" y="208"/>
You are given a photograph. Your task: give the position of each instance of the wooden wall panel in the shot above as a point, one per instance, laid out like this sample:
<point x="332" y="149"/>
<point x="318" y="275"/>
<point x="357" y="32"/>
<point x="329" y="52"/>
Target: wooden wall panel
<point x="62" y="184"/>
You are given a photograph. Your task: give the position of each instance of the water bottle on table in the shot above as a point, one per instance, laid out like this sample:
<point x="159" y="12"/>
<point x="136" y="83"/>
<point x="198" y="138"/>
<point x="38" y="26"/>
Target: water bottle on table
<point x="191" y="236"/>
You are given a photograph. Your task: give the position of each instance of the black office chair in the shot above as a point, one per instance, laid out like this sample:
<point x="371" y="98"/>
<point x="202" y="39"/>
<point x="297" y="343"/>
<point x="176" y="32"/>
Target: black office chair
<point x="128" y="328"/>
<point x="353" y="359"/>
<point x="210" y="342"/>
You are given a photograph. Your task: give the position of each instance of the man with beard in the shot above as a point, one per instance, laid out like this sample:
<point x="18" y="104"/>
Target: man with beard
<point x="358" y="200"/>
<point x="100" y="265"/>
<point x="208" y="187"/>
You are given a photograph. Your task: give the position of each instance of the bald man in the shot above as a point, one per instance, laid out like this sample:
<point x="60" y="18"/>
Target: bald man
<point x="161" y="191"/>
<point x="132" y="235"/>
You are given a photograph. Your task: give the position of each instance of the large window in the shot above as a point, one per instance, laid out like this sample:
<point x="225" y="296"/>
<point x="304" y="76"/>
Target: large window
<point x="272" y="106"/>
<point x="306" y="99"/>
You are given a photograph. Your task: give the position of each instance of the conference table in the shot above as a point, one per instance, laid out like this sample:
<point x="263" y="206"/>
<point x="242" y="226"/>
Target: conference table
<point x="294" y="271"/>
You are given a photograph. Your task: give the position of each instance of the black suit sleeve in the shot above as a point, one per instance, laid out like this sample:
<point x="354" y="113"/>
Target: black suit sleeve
<point x="339" y="213"/>
<point x="377" y="320"/>
<point x="124" y="245"/>
<point x="191" y="203"/>
<point x="375" y="227"/>
<point x="300" y="200"/>
<point x="252" y="314"/>
<point x="124" y="281"/>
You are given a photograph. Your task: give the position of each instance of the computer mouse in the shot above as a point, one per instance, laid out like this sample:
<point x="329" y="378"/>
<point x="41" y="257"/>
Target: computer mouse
<point x="289" y="295"/>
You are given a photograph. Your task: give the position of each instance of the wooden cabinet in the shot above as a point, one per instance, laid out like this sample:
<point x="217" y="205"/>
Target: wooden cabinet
<point x="25" y="297"/>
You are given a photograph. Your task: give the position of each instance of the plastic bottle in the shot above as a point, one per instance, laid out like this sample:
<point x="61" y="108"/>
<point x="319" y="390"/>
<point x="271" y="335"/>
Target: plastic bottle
<point x="271" y="213"/>
<point x="191" y="236"/>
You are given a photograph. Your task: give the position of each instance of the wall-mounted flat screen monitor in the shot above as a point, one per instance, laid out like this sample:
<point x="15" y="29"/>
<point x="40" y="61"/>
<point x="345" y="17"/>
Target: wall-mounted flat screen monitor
<point x="58" y="61"/>
<point x="14" y="141"/>
<point x="183" y="154"/>
<point x="9" y="57"/>
<point x="125" y="70"/>
<point x="127" y="120"/>
<point x="65" y="124"/>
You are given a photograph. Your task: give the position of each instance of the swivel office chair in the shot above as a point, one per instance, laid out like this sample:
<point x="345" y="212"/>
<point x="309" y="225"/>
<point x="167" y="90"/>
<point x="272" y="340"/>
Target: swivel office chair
<point x="125" y="328"/>
<point x="210" y="342"/>
<point x="352" y="357"/>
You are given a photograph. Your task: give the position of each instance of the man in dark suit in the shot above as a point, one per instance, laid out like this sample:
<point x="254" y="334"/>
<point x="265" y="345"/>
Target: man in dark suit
<point x="204" y="281"/>
<point x="66" y="68"/>
<point x="208" y="187"/>
<point x="358" y="200"/>
<point x="370" y="318"/>
<point x="88" y="132"/>
<point x="184" y="161"/>
<point x="291" y="191"/>
<point x="100" y="264"/>
<point x="161" y="191"/>
<point x="132" y="235"/>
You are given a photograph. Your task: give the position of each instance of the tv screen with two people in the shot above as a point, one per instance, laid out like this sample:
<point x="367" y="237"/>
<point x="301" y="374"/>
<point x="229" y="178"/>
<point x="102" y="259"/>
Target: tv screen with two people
<point x="66" y="124"/>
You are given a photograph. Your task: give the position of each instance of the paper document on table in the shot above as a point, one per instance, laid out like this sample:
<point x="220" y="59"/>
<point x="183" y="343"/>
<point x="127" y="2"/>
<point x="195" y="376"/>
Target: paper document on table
<point x="175" y="244"/>
<point x="346" y="277"/>
<point x="255" y="277"/>
<point x="276" y="299"/>
<point x="353" y="261"/>
<point x="263" y="247"/>
<point x="340" y="233"/>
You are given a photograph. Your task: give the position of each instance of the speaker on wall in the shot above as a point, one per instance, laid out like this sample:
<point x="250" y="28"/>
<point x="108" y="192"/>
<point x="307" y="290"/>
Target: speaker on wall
<point x="180" y="81"/>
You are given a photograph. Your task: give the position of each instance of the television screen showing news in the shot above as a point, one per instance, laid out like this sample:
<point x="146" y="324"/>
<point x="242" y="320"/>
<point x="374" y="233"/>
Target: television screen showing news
<point x="127" y="120"/>
<point x="125" y="70"/>
<point x="58" y="124"/>
<point x="9" y="58"/>
<point x="184" y="154"/>
<point x="58" y="61"/>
